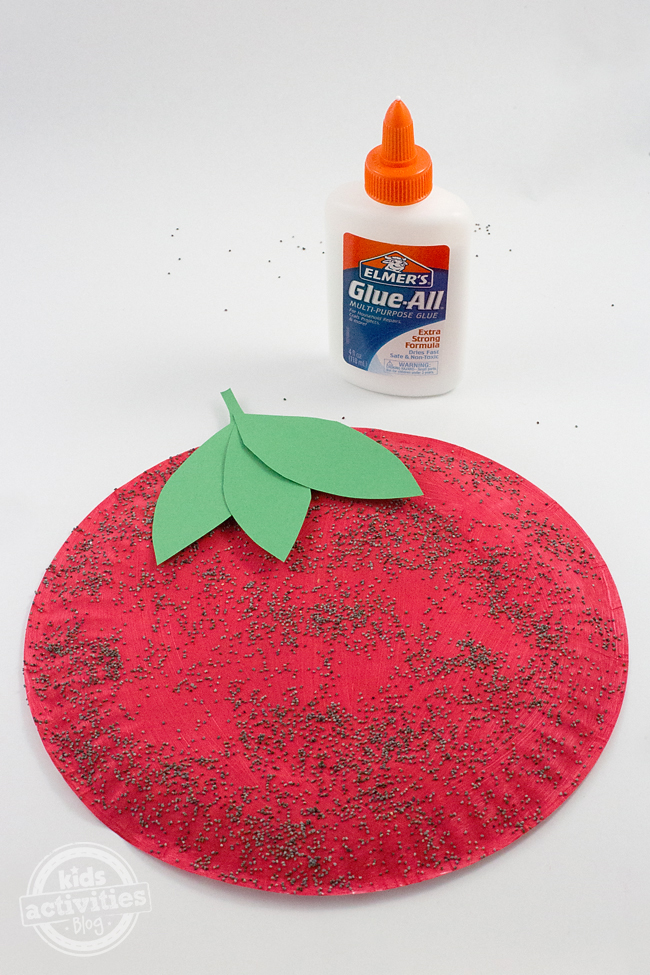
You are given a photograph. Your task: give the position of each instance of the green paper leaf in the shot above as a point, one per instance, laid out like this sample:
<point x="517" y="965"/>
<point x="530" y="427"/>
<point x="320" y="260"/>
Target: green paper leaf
<point x="325" y="455"/>
<point x="192" y="501"/>
<point x="269" y="508"/>
<point x="260" y="469"/>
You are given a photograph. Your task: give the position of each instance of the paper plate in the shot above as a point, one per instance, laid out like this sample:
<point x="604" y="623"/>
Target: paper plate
<point x="419" y="684"/>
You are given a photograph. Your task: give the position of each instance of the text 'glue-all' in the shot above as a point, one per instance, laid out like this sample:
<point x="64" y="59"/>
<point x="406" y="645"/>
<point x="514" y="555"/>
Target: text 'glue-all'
<point x="397" y="251"/>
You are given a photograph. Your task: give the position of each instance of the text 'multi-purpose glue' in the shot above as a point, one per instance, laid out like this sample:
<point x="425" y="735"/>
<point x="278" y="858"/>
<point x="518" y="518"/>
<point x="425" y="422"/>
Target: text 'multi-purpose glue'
<point x="397" y="251"/>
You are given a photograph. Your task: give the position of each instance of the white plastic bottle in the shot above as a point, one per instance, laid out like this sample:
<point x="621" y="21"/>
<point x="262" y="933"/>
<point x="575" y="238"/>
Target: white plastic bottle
<point x="397" y="252"/>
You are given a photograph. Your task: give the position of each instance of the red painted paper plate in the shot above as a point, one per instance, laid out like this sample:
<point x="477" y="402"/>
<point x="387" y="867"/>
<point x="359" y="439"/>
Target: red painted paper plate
<point x="421" y="682"/>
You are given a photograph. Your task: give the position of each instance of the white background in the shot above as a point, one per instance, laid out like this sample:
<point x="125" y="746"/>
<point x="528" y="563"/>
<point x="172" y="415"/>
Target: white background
<point x="154" y="154"/>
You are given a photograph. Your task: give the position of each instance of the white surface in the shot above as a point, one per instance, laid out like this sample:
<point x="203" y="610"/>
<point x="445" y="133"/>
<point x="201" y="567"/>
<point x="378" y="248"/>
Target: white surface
<point x="155" y="153"/>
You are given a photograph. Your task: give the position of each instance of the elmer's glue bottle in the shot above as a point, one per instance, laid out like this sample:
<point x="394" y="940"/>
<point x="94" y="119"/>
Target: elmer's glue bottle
<point x="397" y="251"/>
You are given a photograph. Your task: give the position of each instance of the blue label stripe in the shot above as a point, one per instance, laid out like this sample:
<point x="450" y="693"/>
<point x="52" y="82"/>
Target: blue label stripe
<point x="367" y="326"/>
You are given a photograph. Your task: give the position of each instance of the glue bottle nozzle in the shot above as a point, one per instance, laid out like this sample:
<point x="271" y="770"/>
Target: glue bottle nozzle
<point x="398" y="172"/>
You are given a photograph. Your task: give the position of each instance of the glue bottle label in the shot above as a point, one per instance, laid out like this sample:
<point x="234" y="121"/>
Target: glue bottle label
<point x="394" y="306"/>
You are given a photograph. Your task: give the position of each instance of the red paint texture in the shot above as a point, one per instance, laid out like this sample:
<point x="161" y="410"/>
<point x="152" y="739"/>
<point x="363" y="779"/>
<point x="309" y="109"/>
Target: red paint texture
<point x="422" y="682"/>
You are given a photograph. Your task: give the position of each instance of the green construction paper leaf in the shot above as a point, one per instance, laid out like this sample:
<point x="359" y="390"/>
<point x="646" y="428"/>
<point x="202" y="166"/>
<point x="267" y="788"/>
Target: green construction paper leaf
<point x="326" y="456"/>
<point x="260" y="469"/>
<point x="192" y="502"/>
<point x="269" y="508"/>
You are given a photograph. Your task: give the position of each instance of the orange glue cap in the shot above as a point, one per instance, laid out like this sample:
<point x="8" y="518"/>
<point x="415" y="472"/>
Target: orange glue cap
<point x="398" y="172"/>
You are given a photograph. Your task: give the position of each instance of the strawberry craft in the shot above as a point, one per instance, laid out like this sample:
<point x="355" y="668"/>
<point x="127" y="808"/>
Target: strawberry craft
<point x="317" y="660"/>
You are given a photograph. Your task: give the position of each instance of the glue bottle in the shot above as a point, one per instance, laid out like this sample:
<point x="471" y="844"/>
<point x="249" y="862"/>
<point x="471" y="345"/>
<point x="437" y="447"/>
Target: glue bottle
<point x="397" y="252"/>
